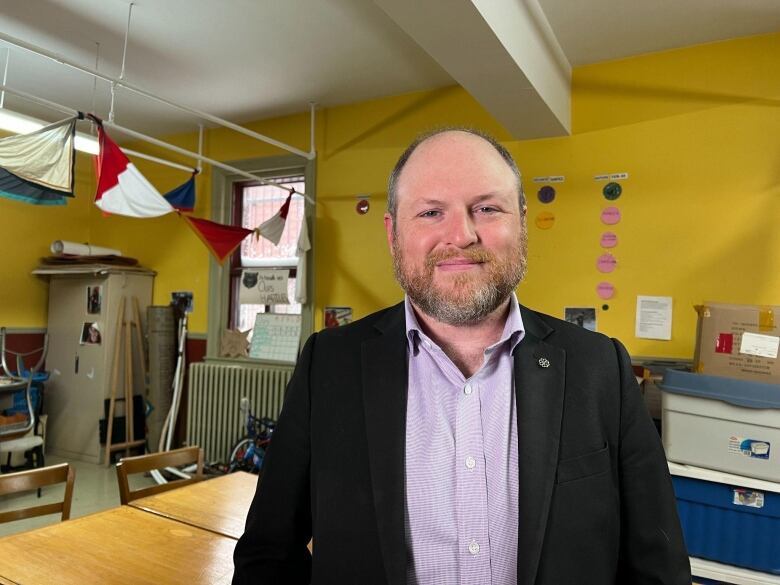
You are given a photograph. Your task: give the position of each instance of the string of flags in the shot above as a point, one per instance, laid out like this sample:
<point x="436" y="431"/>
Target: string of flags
<point x="37" y="168"/>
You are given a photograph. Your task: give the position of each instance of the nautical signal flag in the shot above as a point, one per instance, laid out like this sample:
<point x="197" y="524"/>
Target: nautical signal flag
<point x="37" y="168"/>
<point x="271" y="229"/>
<point x="220" y="239"/>
<point x="183" y="196"/>
<point x="121" y="188"/>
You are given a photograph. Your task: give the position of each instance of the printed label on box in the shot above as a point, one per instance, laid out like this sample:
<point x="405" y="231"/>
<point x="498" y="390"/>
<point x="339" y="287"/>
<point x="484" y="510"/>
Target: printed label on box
<point x="752" y="448"/>
<point x="724" y="343"/>
<point x="760" y="345"/>
<point x="750" y="498"/>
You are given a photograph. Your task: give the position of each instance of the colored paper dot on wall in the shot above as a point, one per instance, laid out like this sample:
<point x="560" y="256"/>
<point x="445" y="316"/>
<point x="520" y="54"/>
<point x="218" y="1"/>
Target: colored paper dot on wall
<point x="610" y="216"/>
<point x="546" y="194"/>
<point x="606" y="263"/>
<point x="545" y="220"/>
<point x="605" y="290"/>
<point x="612" y="191"/>
<point x="609" y="240"/>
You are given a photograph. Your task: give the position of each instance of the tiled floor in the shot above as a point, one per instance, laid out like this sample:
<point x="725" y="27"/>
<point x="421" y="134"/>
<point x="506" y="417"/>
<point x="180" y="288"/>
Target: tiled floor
<point x="95" y="488"/>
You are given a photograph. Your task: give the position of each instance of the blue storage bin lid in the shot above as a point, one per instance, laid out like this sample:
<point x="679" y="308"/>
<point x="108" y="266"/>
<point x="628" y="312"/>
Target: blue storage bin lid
<point x="738" y="392"/>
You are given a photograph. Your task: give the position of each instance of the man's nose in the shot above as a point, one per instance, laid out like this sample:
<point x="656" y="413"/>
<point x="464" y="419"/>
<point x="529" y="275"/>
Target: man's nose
<point x="461" y="231"/>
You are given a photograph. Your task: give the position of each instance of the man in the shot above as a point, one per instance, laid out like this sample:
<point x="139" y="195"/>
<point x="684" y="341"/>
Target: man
<point x="459" y="438"/>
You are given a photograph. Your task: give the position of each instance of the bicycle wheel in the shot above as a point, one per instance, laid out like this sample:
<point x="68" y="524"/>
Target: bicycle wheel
<point x="237" y="459"/>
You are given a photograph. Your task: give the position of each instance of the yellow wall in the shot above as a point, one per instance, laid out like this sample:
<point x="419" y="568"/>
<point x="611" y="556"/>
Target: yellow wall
<point x="26" y="232"/>
<point x="696" y="130"/>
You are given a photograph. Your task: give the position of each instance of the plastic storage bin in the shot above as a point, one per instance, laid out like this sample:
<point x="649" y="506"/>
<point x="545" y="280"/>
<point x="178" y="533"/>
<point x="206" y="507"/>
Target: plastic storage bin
<point x="736" y="521"/>
<point x="722" y="423"/>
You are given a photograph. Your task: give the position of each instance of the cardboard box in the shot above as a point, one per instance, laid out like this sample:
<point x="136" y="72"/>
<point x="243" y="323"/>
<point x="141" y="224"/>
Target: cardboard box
<point x="724" y="349"/>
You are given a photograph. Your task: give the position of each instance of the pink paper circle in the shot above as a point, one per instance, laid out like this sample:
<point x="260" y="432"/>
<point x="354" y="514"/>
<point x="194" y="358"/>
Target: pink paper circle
<point x="610" y="216"/>
<point x="605" y="290"/>
<point x="609" y="240"/>
<point x="606" y="263"/>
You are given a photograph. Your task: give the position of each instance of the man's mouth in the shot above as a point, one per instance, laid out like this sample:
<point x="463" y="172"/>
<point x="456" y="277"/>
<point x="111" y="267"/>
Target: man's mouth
<point x="457" y="264"/>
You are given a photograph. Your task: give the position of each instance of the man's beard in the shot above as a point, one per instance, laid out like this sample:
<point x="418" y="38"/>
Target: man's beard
<point x="470" y="297"/>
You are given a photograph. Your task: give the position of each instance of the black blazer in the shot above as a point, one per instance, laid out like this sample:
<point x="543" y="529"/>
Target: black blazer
<point x="596" y="502"/>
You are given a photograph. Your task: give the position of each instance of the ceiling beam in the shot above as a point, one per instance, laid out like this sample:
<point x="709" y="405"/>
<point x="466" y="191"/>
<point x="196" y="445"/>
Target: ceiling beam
<point x="503" y="52"/>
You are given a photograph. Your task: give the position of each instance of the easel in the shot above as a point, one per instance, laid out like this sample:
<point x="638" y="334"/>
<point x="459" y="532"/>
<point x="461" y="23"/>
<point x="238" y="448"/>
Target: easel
<point x="123" y="327"/>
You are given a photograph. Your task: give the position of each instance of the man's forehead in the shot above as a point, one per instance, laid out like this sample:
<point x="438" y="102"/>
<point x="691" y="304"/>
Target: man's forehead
<point x="456" y="152"/>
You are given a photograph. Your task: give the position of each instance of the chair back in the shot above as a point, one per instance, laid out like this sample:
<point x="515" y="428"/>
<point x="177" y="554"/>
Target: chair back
<point x="20" y="380"/>
<point x="32" y="479"/>
<point x="143" y="463"/>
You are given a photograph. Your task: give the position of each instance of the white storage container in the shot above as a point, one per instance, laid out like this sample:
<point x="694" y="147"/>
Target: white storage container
<point x="722" y="423"/>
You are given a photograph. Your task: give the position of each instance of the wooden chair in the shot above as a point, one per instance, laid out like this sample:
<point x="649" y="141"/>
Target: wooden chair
<point x="143" y="463"/>
<point x="31" y="479"/>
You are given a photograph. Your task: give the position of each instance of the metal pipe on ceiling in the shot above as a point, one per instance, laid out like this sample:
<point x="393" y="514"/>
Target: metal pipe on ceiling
<point x="311" y="155"/>
<point x="156" y="142"/>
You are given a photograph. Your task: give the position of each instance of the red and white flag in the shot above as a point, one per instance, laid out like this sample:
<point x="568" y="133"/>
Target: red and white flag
<point x="121" y="188"/>
<point x="271" y="229"/>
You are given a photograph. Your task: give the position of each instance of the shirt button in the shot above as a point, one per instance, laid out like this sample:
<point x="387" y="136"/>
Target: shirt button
<point x="473" y="547"/>
<point x="470" y="462"/>
<point x="467" y="389"/>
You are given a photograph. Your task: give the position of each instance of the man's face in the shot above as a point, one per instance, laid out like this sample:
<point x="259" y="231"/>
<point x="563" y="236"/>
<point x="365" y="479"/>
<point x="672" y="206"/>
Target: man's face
<point x="458" y="239"/>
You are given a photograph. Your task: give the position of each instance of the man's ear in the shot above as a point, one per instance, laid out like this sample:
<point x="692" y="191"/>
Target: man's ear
<point x="389" y="230"/>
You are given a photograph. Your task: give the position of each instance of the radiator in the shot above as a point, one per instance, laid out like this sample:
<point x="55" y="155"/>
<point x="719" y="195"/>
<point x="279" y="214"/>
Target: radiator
<point x="214" y="417"/>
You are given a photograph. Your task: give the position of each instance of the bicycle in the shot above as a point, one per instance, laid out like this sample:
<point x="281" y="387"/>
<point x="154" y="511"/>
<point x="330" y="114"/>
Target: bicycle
<point x="248" y="453"/>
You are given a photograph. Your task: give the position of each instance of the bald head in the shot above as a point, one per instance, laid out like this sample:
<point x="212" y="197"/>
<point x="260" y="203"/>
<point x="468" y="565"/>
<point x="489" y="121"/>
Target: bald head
<point x="395" y="175"/>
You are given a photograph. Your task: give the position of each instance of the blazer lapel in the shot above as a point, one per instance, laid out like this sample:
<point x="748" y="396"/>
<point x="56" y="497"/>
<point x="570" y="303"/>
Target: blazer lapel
<point x="384" y="400"/>
<point x="539" y="391"/>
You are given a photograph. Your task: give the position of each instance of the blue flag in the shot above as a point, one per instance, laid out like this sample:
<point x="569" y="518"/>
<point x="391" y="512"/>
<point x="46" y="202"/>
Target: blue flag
<point x="183" y="196"/>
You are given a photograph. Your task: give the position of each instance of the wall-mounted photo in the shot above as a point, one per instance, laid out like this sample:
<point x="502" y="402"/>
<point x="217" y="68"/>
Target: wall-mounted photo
<point x="582" y="316"/>
<point x="90" y="334"/>
<point x="94" y="299"/>
<point x="336" y="316"/>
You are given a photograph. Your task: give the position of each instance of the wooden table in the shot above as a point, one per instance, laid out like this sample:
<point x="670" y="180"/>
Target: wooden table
<point x="219" y="505"/>
<point x="117" y="547"/>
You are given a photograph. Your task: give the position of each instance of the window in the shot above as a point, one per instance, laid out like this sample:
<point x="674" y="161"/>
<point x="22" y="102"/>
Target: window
<point x="253" y="204"/>
<point x="235" y="200"/>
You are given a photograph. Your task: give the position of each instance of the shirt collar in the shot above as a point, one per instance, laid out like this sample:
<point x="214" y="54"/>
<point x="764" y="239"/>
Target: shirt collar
<point x="514" y="329"/>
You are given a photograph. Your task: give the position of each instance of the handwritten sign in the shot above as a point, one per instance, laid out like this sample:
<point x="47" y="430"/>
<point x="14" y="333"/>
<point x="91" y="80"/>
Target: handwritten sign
<point x="264" y="287"/>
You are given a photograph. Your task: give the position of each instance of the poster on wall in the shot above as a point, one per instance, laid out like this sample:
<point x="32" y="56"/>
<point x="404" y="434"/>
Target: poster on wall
<point x="582" y="316"/>
<point x="654" y="317"/>
<point x="337" y="316"/>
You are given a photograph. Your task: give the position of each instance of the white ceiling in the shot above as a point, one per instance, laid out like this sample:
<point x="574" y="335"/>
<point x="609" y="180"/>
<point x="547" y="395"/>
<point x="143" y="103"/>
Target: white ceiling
<point x="250" y="59"/>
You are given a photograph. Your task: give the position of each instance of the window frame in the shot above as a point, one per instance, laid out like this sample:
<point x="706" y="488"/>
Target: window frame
<point x="235" y="258"/>
<point x="224" y="185"/>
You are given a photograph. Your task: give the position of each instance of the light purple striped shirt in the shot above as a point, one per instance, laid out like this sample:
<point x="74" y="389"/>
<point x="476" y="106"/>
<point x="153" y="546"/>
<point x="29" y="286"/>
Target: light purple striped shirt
<point x="461" y="463"/>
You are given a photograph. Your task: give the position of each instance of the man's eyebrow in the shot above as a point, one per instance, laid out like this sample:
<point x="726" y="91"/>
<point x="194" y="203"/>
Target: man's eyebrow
<point x="477" y="199"/>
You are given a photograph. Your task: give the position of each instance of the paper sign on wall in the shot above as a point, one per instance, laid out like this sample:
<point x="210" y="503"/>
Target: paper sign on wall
<point x="264" y="287"/>
<point x="653" y="317"/>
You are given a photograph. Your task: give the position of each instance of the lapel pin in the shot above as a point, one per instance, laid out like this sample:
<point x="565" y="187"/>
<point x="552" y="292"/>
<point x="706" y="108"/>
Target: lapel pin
<point x="544" y="362"/>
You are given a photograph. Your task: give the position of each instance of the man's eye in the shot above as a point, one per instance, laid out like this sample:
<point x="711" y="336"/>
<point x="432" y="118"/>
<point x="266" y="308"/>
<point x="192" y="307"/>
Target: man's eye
<point x="487" y="209"/>
<point x="430" y="213"/>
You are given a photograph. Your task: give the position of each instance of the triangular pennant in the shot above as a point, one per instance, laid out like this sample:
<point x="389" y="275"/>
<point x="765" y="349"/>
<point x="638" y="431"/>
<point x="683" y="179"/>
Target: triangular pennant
<point x="183" y="196"/>
<point x="121" y="188"/>
<point x="13" y="187"/>
<point x="271" y="229"/>
<point x="38" y="167"/>
<point x="220" y="239"/>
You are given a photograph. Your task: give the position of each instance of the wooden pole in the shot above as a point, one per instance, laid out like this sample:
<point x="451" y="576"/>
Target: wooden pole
<point x="114" y="379"/>
<point x="129" y="428"/>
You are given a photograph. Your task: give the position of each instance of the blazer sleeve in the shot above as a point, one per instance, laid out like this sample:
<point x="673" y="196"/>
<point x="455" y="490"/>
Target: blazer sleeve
<point x="273" y="548"/>
<point x="652" y="547"/>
